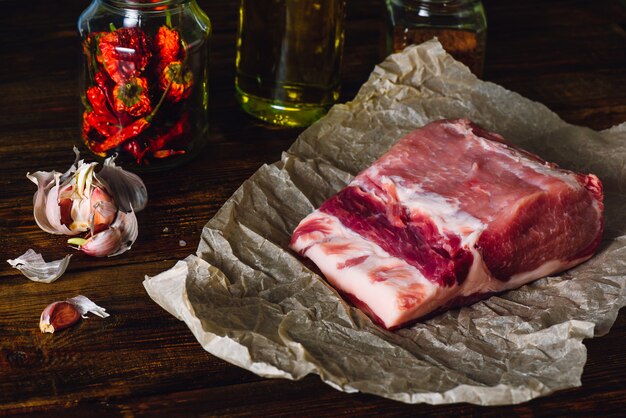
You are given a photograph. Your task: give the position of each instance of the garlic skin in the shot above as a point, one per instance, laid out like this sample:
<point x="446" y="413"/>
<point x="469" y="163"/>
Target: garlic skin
<point x="57" y="316"/>
<point x="46" y="209"/>
<point x="128" y="189"/>
<point x="83" y="200"/>
<point x="33" y="266"/>
<point x="63" y="314"/>
<point x="84" y="305"/>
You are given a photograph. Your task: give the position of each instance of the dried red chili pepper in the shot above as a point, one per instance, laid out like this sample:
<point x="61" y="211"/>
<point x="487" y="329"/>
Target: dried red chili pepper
<point x="180" y="80"/>
<point x="98" y="101"/>
<point x="125" y="53"/>
<point x="103" y="127"/>
<point x="157" y="144"/>
<point x="167" y="43"/>
<point x="127" y="132"/>
<point x="106" y="86"/>
<point x="132" y="97"/>
<point x="86" y="128"/>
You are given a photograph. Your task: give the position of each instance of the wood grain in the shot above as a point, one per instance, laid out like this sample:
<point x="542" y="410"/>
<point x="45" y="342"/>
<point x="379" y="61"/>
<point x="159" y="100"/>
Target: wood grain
<point x="569" y="55"/>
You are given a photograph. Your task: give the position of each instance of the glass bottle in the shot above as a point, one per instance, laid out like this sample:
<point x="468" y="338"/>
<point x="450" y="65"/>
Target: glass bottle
<point x="288" y="58"/>
<point x="144" y="81"/>
<point x="460" y="26"/>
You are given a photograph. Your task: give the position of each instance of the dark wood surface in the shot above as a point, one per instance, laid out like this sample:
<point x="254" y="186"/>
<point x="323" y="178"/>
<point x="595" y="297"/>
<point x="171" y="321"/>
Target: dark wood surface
<point x="570" y="55"/>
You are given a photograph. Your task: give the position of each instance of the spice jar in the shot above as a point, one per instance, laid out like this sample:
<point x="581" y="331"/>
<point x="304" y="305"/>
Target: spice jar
<point x="288" y="58"/>
<point x="460" y="26"/>
<point x="143" y="85"/>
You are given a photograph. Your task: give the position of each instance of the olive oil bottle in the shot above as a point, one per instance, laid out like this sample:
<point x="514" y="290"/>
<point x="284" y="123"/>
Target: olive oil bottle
<point x="288" y="59"/>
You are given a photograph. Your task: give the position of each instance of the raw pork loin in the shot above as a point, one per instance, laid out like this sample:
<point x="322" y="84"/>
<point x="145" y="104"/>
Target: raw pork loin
<point x="450" y="215"/>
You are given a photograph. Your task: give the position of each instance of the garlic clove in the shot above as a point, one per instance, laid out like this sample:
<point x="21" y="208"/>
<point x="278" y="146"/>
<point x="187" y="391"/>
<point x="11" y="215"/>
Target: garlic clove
<point x="33" y="266"/>
<point x="63" y="314"/>
<point x="57" y="316"/>
<point x="115" y="240"/>
<point x="102" y="244"/>
<point x="128" y="189"/>
<point x="103" y="211"/>
<point x="46" y="209"/>
<point x="83" y="179"/>
<point x="129" y="229"/>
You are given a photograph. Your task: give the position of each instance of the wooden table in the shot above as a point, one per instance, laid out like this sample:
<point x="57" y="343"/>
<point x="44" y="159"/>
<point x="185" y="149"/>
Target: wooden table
<point x="570" y="55"/>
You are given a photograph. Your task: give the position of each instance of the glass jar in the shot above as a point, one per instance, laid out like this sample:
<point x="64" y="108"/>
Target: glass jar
<point x="144" y="81"/>
<point x="288" y="59"/>
<point x="460" y="26"/>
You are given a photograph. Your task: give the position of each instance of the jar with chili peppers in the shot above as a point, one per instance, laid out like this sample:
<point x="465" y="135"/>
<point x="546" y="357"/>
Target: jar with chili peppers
<point x="144" y="81"/>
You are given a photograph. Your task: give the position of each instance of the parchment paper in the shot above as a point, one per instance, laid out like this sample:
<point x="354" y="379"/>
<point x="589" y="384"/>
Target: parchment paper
<point x="251" y="302"/>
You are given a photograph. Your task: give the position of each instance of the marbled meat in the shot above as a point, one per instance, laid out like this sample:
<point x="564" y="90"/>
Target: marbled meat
<point x="450" y="215"/>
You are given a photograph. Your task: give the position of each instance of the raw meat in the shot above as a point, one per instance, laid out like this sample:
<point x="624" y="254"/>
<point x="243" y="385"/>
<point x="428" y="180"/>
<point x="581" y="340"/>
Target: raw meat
<point x="450" y="215"/>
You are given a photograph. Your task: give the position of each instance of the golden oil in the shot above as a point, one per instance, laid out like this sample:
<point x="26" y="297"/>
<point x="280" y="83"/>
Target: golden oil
<point x="288" y="59"/>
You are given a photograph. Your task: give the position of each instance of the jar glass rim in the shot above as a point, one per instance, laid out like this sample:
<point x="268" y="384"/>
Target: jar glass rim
<point x="146" y="4"/>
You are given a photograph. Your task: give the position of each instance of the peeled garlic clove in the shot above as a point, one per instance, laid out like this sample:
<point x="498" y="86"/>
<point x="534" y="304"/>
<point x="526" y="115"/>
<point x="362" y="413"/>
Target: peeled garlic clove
<point x="33" y="266"/>
<point x="128" y="189"/>
<point x="115" y="240"/>
<point x="57" y="316"/>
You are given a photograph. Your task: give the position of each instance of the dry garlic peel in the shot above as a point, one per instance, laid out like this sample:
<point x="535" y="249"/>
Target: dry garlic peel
<point x="127" y="187"/>
<point x="33" y="266"/>
<point x="84" y="305"/>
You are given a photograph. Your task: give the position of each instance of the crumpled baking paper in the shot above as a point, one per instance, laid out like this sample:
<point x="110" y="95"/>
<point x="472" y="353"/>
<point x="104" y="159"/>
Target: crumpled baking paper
<point x="252" y="302"/>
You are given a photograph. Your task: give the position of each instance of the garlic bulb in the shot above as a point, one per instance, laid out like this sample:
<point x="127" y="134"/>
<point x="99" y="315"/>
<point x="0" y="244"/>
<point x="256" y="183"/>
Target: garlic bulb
<point x="83" y="200"/>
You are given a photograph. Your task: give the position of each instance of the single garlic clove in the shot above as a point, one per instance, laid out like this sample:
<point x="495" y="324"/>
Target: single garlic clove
<point x="57" y="316"/>
<point x="46" y="209"/>
<point x="103" y="214"/>
<point x="63" y="314"/>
